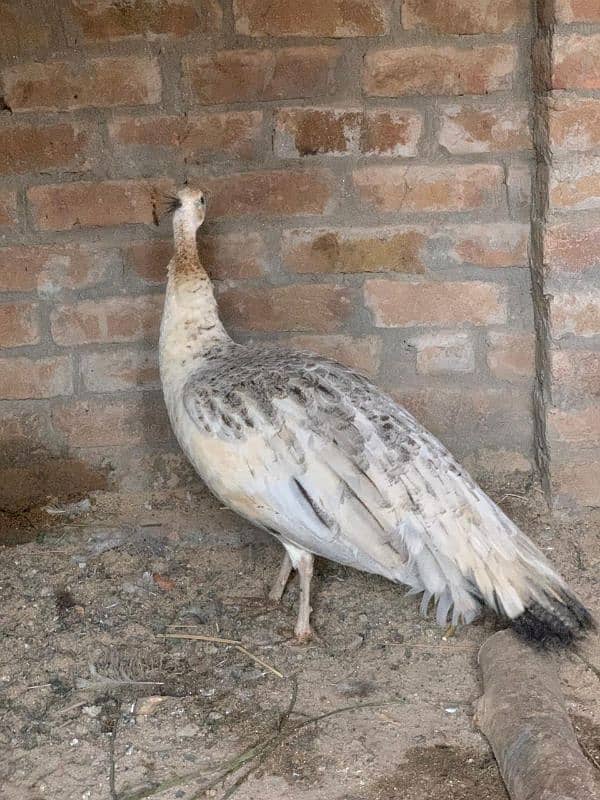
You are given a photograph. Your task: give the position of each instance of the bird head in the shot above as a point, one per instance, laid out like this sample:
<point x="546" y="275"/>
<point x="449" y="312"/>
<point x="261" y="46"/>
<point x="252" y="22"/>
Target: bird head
<point x="188" y="205"/>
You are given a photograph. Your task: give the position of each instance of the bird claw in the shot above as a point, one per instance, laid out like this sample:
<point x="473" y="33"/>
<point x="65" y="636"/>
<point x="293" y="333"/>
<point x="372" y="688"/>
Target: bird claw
<point x="450" y="632"/>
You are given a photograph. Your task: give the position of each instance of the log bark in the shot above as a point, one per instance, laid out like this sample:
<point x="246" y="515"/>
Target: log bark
<point x="523" y="715"/>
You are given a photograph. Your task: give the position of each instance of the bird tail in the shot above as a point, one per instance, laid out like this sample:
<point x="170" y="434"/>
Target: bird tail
<point x="560" y="616"/>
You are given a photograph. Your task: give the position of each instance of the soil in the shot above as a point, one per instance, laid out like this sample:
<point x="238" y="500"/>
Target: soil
<point x="99" y="702"/>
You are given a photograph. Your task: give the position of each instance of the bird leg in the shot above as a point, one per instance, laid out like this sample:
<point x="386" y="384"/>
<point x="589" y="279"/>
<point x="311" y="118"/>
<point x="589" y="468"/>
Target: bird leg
<point x="305" y="570"/>
<point x="282" y="578"/>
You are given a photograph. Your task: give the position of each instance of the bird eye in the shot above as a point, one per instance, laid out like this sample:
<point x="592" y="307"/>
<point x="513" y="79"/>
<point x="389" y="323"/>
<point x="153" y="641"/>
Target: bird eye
<point x="202" y="201"/>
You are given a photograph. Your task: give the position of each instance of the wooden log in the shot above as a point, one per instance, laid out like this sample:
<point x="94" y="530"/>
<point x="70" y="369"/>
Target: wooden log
<point x="523" y="716"/>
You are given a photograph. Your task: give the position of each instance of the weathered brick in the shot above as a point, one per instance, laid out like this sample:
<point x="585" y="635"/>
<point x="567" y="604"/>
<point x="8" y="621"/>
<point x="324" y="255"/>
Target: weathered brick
<point x="231" y="133"/>
<point x="110" y="319"/>
<point x="575" y="312"/>
<point x="400" y="305"/>
<point x="439" y="70"/>
<point x="355" y="250"/>
<point x="97" y="423"/>
<point x="391" y="132"/>
<point x="488" y="129"/>
<point x="460" y="187"/>
<point x="306" y="307"/>
<point x="510" y="355"/>
<point x="440" y="353"/>
<point x="575" y="376"/>
<point x="51" y="268"/>
<point x="278" y="192"/>
<point x="235" y="76"/>
<point x="30" y="148"/>
<point x="227" y="256"/>
<point x="23" y="31"/>
<point x="19" y="324"/>
<point x="334" y="19"/>
<point x="465" y="16"/>
<point x="572" y="248"/>
<point x="519" y="188"/>
<point x="24" y="434"/>
<point x="31" y="378"/>
<point x="576" y="62"/>
<point x="85" y="204"/>
<point x="464" y="417"/>
<point x="575" y="184"/>
<point x="359" y="352"/>
<point x="120" y="370"/>
<point x="108" y="21"/>
<point x="315" y="131"/>
<point x="491" y="245"/>
<point x="8" y="208"/>
<point x="574" y="123"/>
<point x="575" y="482"/>
<point x="64" y="85"/>
<point x="581" y="427"/>
<point x="568" y="11"/>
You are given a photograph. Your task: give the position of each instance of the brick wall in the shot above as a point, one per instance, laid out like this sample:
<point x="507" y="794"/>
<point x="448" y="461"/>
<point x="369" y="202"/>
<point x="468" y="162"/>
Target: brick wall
<point x="367" y="165"/>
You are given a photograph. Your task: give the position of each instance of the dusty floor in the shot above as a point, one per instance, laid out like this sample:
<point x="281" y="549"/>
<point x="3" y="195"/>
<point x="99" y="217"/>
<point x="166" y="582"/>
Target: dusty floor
<point x="97" y="702"/>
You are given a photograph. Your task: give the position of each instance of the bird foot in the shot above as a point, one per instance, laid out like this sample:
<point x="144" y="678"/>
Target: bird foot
<point x="449" y="632"/>
<point x="304" y="635"/>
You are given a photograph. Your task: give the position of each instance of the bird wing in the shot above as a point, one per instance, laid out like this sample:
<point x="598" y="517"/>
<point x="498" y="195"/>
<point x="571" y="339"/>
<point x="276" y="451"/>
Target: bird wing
<point x="338" y="468"/>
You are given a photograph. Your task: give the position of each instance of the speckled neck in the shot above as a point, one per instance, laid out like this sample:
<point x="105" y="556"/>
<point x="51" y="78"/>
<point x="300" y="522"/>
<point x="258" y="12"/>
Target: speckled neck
<point x="186" y="264"/>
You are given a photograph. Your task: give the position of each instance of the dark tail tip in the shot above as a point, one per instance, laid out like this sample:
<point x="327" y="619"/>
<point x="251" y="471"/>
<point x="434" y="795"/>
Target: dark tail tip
<point x="562" y="620"/>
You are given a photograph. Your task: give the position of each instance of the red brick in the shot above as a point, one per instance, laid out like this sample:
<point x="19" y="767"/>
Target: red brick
<point x="577" y="11"/>
<point x="519" y="188"/>
<point x="19" y="324"/>
<point x="315" y="131"/>
<point x="8" y="208"/>
<point x="108" y="21"/>
<point x="575" y="184"/>
<point x="337" y="19"/>
<point x="358" y="352"/>
<point x="575" y="483"/>
<point x="120" y="370"/>
<point x="391" y="132"/>
<point x="274" y="193"/>
<point x="139" y="420"/>
<point x="305" y="307"/>
<point x="74" y="205"/>
<point x="230" y="256"/>
<point x="232" y="133"/>
<point x="464" y="417"/>
<point x="576" y="312"/>
<point x="572" y="248"/>
<point x="580" y="427"/>
<point x="444" y="352"/>
<point x="574" y="123"/>
<point x="354" y="250"/>
<point x="460" y="187"/>
<point x="497" y="464"/>
<point x="510" y="355"/>
<point x="491" y="245"/>
<point x="95" y="82"/>
<point x="400" y="305"/>
<point x="235" y="76"/>
<point x="31" y="378"/>
<point x="107" y="319"/>
<point x="576" y="62"/>
<point x="575" y="376"/>
<point x="439" y="70"/>
<point x="28" y="148"/>
<point x="465" y="16"/>
<point x="23" y="31"/>
<point x="50" y="268"/>
<point x="489" y="129"/>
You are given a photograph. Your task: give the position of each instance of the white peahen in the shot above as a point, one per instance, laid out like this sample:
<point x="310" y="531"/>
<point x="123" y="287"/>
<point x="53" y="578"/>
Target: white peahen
<point x="319" y="457"/>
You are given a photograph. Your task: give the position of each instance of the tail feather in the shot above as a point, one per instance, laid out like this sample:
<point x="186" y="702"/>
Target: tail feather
<point x="560" y="618"/>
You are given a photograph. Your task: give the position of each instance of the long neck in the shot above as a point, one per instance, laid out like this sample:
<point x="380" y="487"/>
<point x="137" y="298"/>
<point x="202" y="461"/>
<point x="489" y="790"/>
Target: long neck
<point x="190" y="325"/>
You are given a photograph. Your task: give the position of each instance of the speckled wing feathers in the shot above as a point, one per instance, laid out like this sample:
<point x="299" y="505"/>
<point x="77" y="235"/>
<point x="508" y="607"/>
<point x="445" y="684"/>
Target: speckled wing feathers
<point x="338" y="468"/>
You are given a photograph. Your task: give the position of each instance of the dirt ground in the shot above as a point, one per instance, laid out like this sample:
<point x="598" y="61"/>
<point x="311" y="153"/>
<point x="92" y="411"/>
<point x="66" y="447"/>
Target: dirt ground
<point x="99" y="702"/>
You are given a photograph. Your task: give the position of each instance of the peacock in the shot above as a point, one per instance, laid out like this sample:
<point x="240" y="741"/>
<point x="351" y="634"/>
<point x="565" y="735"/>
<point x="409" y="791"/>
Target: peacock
<point x="316" y="455"/>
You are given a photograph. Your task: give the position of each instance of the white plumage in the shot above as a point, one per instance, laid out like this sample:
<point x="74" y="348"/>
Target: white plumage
<point x="320" y="458"/>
